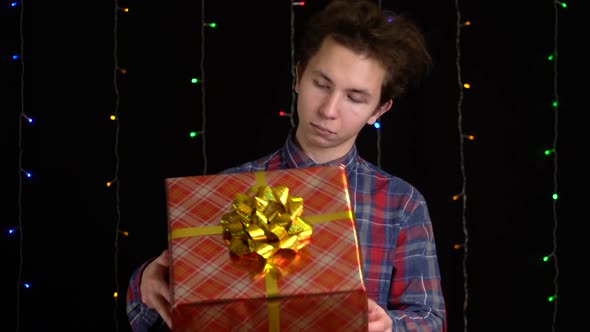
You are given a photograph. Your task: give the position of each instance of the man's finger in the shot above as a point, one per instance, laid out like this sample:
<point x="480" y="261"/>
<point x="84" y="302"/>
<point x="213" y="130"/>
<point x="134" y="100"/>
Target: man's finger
<point x="163" y="259"/>
<point x="162" y="308"/>
<point x="164" y="291"/>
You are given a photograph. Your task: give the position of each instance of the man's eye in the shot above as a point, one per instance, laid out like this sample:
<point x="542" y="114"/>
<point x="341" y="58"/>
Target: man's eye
<point x="355" y="100"/>
<point x="316" y="83"/>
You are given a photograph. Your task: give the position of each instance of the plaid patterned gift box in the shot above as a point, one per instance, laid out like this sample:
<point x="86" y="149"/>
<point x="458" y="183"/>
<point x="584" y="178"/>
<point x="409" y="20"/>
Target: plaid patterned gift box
<point x="313" y="285"/>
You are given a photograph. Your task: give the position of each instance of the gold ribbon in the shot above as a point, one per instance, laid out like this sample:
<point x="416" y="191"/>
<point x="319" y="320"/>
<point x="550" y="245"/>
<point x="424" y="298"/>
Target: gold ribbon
<point x="264" y="224"/>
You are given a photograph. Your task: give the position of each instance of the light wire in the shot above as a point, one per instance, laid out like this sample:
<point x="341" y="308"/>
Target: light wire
<point x="293" y="72"/>
<point x="555" y="165"/>
<point x="203" y="104"/>
<point x="463" y="194"/>
<point x="116" y="182"/>
<point x="20" y="166"/>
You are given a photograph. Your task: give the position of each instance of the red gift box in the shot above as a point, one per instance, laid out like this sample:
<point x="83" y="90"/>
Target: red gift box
<point x="315" y="287"/>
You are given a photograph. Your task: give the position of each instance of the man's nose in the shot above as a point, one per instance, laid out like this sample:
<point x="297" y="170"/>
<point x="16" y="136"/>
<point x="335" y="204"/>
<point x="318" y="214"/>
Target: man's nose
<point x="331" y="105"/>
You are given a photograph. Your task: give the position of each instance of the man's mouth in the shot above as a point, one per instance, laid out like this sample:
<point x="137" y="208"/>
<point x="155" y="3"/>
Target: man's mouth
<point x="322" y="129"/>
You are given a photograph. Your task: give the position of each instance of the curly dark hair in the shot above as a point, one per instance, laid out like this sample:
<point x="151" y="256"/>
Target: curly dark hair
<point x="360" y="25"/>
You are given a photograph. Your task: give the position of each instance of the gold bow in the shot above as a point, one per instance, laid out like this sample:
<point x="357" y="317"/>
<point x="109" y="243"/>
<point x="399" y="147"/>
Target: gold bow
<point x="265" y="222"/>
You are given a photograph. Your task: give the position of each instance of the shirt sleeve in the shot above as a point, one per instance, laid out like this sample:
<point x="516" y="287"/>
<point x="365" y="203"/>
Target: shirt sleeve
<point x="416" y="300"/>
<point x="141" y="317"/>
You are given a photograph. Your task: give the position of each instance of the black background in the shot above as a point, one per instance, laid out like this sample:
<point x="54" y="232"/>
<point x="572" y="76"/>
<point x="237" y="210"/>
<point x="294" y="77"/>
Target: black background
<point x="67" y="82"/>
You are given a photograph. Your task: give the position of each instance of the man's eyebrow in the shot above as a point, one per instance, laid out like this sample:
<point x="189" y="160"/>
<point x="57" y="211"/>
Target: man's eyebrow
<point x="322" y="75"/>
<point x="327" y="78"/>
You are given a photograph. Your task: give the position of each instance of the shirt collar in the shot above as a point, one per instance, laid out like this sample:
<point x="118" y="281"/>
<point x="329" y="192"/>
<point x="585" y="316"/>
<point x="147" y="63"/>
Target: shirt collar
<point x="294" y="157"/>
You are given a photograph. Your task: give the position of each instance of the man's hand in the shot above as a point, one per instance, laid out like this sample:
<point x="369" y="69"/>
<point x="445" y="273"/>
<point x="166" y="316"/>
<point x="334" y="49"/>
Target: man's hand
<point x="155" y="290"/>
<point x="379" y="320"/>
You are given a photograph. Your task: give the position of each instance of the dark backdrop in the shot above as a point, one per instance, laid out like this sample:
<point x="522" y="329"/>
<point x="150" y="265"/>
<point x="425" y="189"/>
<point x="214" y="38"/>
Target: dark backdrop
<point x="69" y="218"/>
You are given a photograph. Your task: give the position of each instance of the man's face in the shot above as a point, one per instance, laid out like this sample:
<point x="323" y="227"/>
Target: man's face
<point x="338" y="93"/>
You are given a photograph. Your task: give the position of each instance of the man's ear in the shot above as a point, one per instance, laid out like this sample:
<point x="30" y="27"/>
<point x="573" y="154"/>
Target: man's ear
<point x="380" y="111"/>
<point x="298" y="76"/>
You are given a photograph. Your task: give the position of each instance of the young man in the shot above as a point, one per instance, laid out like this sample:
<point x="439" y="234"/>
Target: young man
<point x="355" y="61"/>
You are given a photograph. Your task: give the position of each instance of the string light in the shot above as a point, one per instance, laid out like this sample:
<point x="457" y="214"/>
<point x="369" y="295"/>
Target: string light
<point x="377" y="129"/>
<point x="283" y="113"/>
<point x="553" y="152"/>
<point x="29" y="119"/>
<point x="468" y="137"/>
<point x="27" y="174"/>
<point x="377" y="124"/>
<point x="194" y="134"/>
<point x="115" y="117"/>
<point x="203" y="101"/>
<point x="463" y="195"/>
<point x="293" y="65"/>
<point x="20" y="163"/>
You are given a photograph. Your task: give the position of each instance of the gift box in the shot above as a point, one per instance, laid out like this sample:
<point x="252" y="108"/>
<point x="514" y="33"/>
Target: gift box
<point x="264" y="251"/>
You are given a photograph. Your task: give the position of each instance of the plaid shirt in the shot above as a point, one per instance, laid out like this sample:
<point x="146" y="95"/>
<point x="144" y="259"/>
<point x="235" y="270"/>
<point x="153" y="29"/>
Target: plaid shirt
<point x="398" y="252"/>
